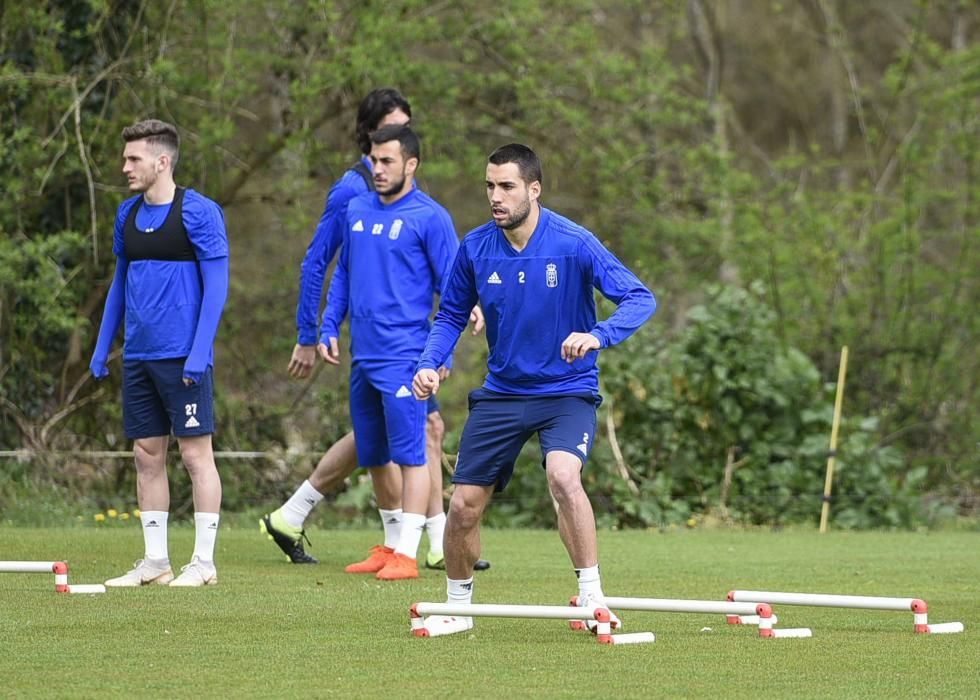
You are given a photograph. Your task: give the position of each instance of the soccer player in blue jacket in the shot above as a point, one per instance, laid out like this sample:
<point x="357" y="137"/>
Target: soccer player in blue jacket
<point x="534" y="272"/>
<point x="398" y="246"/>
<point x="169" y="287"/>
<point x="285" y="525"/>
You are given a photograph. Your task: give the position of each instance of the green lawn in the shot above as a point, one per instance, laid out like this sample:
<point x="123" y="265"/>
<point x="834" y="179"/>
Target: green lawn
<point x="271" y="629"/>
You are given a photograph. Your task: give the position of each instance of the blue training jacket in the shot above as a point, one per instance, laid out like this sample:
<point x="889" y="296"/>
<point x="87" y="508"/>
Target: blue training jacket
<point x="532" y="300"/>
<point x="326" y="240"/>
<point x="394" y="258"/>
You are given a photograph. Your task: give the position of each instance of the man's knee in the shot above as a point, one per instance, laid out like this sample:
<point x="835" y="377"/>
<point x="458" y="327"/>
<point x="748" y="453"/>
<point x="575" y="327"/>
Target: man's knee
<point x="150" y="453"/>
<point x="196" y="453"/>
<point x="565" y="481"/>
<point x="435" y="429"/>
<point x="464" y="511"/>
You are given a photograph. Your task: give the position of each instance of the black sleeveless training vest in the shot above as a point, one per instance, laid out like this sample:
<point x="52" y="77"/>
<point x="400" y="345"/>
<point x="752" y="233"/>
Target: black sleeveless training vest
<point x="169" y="242"/>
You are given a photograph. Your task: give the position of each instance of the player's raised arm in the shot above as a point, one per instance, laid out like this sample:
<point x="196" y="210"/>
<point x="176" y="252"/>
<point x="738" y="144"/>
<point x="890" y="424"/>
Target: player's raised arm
<point x="634" y="302"/>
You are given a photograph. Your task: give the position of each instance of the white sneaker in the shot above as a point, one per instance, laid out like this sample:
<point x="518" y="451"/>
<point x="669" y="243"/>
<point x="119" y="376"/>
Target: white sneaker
<point x="438" y="625"/>
<point x="144" y="573"/>
<point x="197" y="573"/>
<point x="597" y="601"/>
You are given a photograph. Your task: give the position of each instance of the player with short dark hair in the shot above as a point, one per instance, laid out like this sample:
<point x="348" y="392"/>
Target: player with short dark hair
<point x="533" y="272"/>
<point x="398" y="245"/>
<point x="285" y="525"/>
<point x="170" y="286"/>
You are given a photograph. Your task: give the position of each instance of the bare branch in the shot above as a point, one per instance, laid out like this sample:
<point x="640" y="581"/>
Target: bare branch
<point x="618" y="454"/>
<point x="93" y="215"/>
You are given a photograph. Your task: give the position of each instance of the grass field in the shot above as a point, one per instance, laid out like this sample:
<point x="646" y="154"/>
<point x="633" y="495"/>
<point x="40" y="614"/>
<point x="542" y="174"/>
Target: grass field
<point x="271" y="629"/>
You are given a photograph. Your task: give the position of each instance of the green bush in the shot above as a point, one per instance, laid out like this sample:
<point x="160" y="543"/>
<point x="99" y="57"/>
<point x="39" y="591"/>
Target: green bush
<point x="727" y="420"/>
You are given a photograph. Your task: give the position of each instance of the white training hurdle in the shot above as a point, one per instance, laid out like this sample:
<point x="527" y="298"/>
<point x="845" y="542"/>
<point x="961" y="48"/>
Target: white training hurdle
<point x="916" y="606"/>
<point x="760" y="612"/>
<point x="601" y="616"/>
<point x="58" y="568"/>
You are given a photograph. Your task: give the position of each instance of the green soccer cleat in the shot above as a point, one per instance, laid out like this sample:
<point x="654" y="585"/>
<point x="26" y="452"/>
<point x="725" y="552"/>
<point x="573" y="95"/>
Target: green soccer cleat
<point x="289" y="539"/>
<point x="438" y="561"/>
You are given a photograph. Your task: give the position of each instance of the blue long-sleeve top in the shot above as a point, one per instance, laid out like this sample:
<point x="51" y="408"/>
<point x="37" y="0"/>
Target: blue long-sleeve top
<point x="532" y="300"/>
<point x="393" y="260"/>
<point x="326" y="240"/>
<point x="171" y="308"/>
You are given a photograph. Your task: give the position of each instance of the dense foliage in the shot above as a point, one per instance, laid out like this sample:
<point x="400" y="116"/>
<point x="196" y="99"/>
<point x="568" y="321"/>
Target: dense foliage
<point x="787" y="177"/>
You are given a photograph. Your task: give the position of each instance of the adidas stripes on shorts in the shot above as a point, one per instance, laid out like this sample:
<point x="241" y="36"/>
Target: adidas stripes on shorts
<point x="156" y="402"/>
<point x="389" y="422"/>
<point x="500" y="424"/>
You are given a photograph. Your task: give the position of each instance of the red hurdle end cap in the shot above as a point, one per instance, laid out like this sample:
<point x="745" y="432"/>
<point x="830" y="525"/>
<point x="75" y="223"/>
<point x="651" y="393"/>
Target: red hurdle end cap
<point x="763" y="610"/>
<point x="733" y="619"/>
<point x="604" y="638"/>
<point x="919" y="606"/>
<point x="731" y="596"/>
<point x="413" y="612"/>
<point x="602" y="615"/>
<point x="421" y="633"/>
<point x="573" y="601"/>
<point x="60" y="567"/>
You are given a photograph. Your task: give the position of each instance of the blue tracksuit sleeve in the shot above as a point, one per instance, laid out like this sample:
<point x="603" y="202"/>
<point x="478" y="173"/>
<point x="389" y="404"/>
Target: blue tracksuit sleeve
<point x="327" y="239"/>
<point x="338" y="296"/>
<point x="634" y="302"/>
<point x="214" y="274"/>
<point x="112" y="316"/>
<point x="441" y="248"/>
<point x="459" y="296"/>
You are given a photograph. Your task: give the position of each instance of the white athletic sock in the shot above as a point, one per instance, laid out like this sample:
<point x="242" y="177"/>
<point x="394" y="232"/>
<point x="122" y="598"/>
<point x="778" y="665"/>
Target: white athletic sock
<point x="205" y="532"/>
<point x="155" y="534"/>
<point x="435" y="527"/>
<point x="459" y="591"/>
<point x="588" y="581"/>
<point x="392" y="521"/>
<point x="297" y="509"/>
<point x="411" y="535"/>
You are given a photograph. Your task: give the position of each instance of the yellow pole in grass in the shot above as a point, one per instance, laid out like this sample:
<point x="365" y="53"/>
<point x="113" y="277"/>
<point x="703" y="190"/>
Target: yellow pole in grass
<point x="838" y="401"/>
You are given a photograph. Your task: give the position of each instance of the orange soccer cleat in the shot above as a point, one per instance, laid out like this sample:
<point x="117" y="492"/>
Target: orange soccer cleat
<point x="374" y="563"/>
<point x="399" y="567"/>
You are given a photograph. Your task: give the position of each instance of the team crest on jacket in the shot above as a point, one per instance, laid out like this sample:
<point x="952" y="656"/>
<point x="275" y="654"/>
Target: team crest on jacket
<point x="396" y="228"/>
<point x="551" y="275"/>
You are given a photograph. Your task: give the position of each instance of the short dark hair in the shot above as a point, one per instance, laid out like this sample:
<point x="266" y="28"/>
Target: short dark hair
<point x="404" y="135"/>
<point x="375" y="106"/>
<point x="528" y="163"/>
<point x="155" y="133"/>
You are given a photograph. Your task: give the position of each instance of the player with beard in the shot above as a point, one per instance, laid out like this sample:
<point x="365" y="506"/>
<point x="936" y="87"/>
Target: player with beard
<point x="170" y="285"/>
<point x="533" y="272"/>
<point x="286" y="524"/>
<point x="398" y="245"/>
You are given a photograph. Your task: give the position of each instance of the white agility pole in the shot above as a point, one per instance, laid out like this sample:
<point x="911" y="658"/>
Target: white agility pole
<point x="916" y="606"/>
<point x="29" y="567"/>
<point x="760" y="612"/>
<point x="604" y="635"/>
<point x="58" y="568"/>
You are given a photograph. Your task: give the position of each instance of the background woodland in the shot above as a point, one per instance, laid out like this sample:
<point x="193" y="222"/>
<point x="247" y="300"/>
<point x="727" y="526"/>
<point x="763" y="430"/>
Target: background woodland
<point x="788" y="177"/>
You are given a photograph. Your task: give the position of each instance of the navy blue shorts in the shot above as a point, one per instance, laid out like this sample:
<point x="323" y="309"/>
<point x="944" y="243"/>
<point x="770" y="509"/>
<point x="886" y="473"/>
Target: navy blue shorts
<point x="389" y="422"/>
<point x="156" y="402"/>
<point x="500" y="424"/>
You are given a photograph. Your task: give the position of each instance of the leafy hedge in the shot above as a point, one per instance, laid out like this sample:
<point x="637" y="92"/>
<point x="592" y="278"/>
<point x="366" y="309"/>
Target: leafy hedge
<point x="727" y="421"/>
